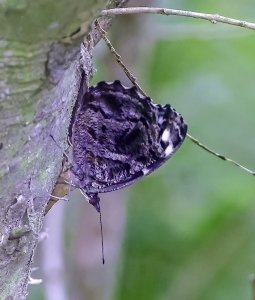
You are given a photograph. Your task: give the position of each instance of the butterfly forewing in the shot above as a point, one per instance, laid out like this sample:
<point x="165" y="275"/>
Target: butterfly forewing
<point x="119" y="135"/>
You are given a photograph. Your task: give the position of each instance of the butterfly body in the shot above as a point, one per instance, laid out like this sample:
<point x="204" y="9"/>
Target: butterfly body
<point x="119" y="136"/>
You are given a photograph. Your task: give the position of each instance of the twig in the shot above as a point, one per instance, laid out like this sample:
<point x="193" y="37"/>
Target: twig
<point x="134" y="81"/>
<point x="130" y="76"/>
<point x="195" y="141"/>
<point x="214" y="18"/>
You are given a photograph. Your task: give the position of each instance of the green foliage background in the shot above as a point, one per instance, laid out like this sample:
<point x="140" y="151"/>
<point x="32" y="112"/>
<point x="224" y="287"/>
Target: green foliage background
<point x="191" y="225"/>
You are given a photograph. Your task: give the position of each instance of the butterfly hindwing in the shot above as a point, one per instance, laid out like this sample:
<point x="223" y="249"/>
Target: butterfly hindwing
<point x="119" y="135"/>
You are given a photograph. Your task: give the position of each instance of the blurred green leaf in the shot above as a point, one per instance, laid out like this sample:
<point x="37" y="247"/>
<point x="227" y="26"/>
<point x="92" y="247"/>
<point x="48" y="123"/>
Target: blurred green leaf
<point x="190" y="232"/>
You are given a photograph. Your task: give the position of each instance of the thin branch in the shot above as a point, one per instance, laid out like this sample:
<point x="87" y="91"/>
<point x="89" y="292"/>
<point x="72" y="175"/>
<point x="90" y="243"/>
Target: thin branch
<point x="132" y="78"/>
<point x="214" y="18"/>
<point x="195" y="141"/>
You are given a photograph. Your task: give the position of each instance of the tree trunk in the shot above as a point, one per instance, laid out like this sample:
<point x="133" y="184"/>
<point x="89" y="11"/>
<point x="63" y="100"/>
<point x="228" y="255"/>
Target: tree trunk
<point x="40" y="77"/>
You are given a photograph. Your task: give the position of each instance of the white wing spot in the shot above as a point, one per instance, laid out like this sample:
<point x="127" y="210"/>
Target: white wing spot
<point x="169" y="150"/>
<point x="166" y="135"/>
<point x="146" y="171"/>
<point x="161" y="120"/>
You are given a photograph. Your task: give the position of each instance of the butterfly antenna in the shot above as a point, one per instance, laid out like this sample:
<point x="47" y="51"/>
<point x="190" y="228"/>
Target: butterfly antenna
<point x="195" y="141"/>
<point x="102" y="236"/>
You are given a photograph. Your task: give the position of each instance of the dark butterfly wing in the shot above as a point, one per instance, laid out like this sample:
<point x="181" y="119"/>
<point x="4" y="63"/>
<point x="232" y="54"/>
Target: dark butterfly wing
<point x="119" y="135"/>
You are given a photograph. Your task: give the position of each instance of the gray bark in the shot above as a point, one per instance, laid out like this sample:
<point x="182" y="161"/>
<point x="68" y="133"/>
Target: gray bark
<point x="40" y="77"/>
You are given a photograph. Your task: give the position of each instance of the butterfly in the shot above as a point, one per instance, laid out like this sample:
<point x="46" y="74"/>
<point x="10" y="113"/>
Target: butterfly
<point x="120" y="136"/>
